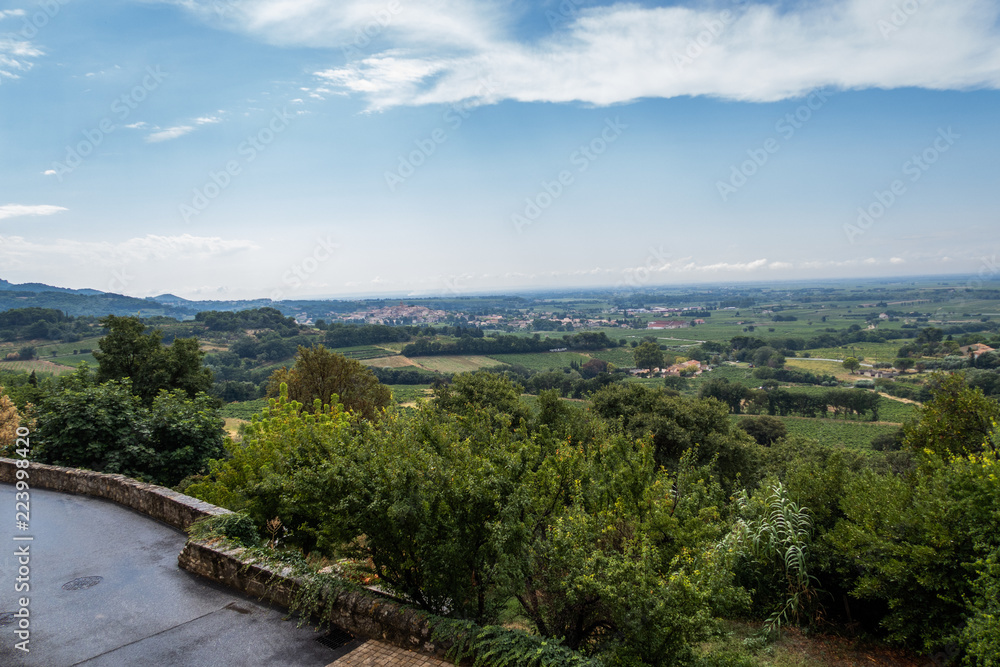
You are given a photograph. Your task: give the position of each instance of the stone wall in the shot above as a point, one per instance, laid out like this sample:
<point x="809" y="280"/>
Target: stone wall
<point x="364" y="614"/>
<point x="168" y="506"/>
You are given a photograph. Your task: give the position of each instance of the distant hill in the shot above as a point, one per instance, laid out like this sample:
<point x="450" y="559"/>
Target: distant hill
<point x="170" y="299"/>
<point x="98" y="304"/>
<point x="83" y="302"/>
<point x="6" y="286"/>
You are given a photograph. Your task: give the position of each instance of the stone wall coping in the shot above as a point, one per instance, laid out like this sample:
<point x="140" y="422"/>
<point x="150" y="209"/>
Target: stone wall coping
<point x="158" y="502"/>
<point x="363" y="613"/>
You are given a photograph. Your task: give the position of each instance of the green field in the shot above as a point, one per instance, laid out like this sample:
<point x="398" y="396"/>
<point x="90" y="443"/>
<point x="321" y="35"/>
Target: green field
<point x="61" y="349"/>
<point x="895" y="411"/>
<point x="59" y="353"/>
<point x="36" y="365"/>
<point x="853" y="434"/>
<point x="463" y="363"/>
<point x="243" y="410"/>
<point x="619" y="356"/>
<point x="740" y="374"/>
<point x="409" y="393"/>
<point x="541" y="361"/>
<point x="361" y="352"/>
<point x="869" y="352"/>
<point x="74" y="360"/>
<point x="834" y="368"/>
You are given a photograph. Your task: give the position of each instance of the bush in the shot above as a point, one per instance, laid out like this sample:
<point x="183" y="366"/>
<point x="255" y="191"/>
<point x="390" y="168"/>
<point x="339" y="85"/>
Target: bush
<point x="911" y="546"/>
<point x="765" y="430"/>
<point x="236" y="526"/>
<point x="108" y="429"/>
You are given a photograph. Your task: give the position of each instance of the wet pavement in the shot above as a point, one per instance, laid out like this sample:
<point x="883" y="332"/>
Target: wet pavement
<point x="106" y="591"/>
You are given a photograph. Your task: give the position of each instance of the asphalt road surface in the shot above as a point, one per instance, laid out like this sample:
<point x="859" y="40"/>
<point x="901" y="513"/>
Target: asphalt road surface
<point x="106" y="591"/>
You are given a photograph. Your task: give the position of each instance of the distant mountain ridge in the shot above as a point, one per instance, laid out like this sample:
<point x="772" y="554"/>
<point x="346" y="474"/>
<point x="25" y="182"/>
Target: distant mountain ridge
<point x="6" y="286"/>
<point x="83" y="302"/>
<point x="171" y="299"/>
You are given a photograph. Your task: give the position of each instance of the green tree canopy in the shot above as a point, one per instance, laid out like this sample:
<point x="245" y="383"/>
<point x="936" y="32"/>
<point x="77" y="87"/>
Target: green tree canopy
<point x="851" y="364"/>
<point x="127" y="351"/>
<point x="958" y="420"/>
<point x="107" y="428"/>
<point x="648" y="355"/>
<point x="765" y="430"/>
<point x="319" y="374"/>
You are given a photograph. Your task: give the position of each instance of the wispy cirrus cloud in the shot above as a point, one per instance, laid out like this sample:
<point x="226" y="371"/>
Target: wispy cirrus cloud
<point x="17" y="249"/>
<point x="431" y="24"/>
<point x="169" y="133"/>
<point x="23" y="210"/>
<point x="16" y="56"/>
<point x="176" y="131"/>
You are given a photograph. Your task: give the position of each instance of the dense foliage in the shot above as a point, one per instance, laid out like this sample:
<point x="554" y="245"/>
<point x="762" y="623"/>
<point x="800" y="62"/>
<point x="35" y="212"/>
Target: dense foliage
<point x="106" y="427"/>
<point x="330" y="378"/>
<point x="622" y="530"/>
<point x="128" y="353"/>
<point x="588" y="340"/>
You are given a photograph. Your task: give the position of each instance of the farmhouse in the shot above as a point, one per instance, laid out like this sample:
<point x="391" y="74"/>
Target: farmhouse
<point x="976" y="349"/>
<point x="693" y="366"/>
<point x="667" y="324"/>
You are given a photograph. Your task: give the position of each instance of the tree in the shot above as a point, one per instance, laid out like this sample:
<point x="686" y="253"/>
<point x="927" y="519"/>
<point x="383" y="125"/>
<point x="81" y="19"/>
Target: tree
<point x="903" y="364"/>
<point x="27" y="353"/>
<point x="768" y="356"/>
<point x="10" y="419"/>
<point x="107" y="428"/>
<point x="319" y="374"/>
<point x="128" y="352"/>
<point x="678" y="424"/>
<point x="482" y="392"/>
<point x="593" y="368"/>
<point x="957" y="420"/>
<point x="648" y="355"/>
<point x="765" y="430"/>
<point x="852" y="364"/>
<point x="730" y="393"/>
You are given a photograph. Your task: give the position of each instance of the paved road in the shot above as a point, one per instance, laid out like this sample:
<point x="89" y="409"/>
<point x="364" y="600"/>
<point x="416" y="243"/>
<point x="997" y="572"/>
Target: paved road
<point x="144" y="610"/>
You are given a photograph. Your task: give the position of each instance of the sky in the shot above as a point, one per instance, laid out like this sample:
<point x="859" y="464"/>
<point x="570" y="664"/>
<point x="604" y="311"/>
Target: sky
<point x="288" y="149"/>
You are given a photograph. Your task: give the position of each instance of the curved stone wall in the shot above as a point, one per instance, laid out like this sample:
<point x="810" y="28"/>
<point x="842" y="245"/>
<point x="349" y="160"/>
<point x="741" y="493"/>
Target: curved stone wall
<point x="368" y="615"/>
<point x="158" y="502"/>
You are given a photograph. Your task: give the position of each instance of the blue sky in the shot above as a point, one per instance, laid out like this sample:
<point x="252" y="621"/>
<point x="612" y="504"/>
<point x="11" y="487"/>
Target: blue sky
<point x="300" y="148"/>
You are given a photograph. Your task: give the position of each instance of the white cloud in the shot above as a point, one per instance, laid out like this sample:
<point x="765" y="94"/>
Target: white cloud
<point x="4" y="13"/>
<point x="169" y="133"/>
<point x="20" y="210"/>
<point x="896" y="260"/>
<point x="140" y="125"/>
<point x="16" y="56"/>
<point x="50" y="172"/>
<point x="624" y="52"/>
<point x="725" y="266"/>
<point x="207" y="120"/>
<point x="450" y="24"/>
<point x="15" y="250"/>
